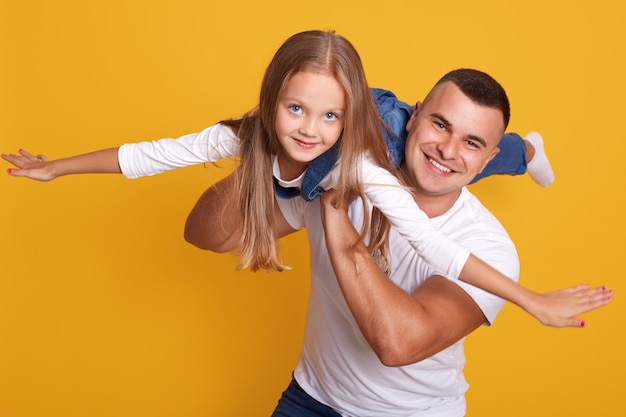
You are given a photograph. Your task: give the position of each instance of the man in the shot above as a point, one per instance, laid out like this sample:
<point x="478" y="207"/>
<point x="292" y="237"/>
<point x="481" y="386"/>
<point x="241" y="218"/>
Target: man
<point x="391" y="345"/>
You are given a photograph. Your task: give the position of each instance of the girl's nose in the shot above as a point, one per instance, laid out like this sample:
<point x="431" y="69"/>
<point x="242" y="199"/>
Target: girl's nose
<point x="308" y="126"/>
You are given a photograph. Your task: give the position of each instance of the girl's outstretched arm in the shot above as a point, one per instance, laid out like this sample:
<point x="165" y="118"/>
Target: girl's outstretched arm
<point x="135" y="159"/>
<point x="558" y="309"/>
<point x="38" y="167"/>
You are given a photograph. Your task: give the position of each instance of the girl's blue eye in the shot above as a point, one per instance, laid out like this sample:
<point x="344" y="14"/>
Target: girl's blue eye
<point x="294" y="108"/>
<point x="331" y="116"/>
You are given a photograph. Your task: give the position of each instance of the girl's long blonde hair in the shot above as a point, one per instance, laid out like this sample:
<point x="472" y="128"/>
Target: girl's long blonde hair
<point x="320" y="52"/>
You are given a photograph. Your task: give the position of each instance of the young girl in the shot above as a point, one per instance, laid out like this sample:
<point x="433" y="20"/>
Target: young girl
<point x="314" y="99"/>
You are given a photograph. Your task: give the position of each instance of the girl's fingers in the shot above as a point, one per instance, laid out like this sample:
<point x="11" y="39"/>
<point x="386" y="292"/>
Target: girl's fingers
<point x="27" y="154"/>
<point x="14" y="159"/>
<point x="31" y="157"/>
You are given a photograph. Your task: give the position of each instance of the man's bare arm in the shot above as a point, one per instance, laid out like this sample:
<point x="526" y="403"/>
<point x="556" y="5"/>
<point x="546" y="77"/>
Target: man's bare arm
<point x="214" y="222"/>
<point x="401" y="328"/>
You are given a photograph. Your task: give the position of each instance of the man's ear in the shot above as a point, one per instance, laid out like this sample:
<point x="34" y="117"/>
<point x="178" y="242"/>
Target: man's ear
<point x="413" y="115"/>
<point x="493" y="155"/>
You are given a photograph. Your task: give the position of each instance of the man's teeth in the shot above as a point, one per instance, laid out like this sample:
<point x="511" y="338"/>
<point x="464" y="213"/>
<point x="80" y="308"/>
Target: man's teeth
<point x="439" y="166"/>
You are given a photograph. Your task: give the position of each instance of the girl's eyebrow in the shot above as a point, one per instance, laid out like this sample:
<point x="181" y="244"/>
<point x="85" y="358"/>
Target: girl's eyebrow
<point x="297" y="100"/>
<point x="447" y="123"/>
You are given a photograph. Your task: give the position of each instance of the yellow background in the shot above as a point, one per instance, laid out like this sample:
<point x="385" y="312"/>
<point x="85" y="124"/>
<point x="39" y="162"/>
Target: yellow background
<point x="106" y="311"/>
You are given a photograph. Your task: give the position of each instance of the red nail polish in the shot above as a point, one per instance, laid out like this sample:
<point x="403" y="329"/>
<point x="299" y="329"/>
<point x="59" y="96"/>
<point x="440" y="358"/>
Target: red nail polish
<point x="583" y="323"/>
<point x="10" y="171"/>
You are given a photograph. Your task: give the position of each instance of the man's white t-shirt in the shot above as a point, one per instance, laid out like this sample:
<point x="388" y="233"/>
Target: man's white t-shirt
<point x="337" y="366"/>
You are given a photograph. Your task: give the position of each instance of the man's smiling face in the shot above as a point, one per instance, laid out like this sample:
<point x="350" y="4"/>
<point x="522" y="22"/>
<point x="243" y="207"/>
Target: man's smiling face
<point x="450" y="141"/>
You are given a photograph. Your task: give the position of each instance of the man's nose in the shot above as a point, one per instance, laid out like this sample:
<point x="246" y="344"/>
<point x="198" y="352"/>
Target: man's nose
<point x="448" y="147"/>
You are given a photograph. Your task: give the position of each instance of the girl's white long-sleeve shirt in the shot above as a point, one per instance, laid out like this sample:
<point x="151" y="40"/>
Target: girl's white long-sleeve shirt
<point x="381" y="188"/>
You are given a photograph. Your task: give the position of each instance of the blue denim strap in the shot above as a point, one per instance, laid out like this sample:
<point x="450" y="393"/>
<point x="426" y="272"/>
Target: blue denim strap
<point x="285" y="192"/>
<point x="317" y="170"/>
<point x="315" y="173"/>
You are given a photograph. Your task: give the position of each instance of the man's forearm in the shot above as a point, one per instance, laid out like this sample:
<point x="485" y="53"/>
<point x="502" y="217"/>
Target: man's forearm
<point x="377" y="304"/>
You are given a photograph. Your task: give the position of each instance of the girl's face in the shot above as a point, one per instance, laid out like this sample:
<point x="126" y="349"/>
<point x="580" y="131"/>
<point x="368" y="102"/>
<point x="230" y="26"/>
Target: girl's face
<point x="309" y="120"/>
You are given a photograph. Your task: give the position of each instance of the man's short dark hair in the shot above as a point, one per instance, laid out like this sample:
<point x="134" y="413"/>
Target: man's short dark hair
<point x="481" y="88"/>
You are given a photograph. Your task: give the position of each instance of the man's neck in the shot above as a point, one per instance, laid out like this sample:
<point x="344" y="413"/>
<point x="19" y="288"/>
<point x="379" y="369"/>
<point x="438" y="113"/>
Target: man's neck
<point x="430" y="203"/>
<point x="435" y="205"/>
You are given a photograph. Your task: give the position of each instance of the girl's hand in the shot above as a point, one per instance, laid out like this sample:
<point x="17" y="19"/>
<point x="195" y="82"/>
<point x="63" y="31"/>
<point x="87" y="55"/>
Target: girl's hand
<point x="561" y="308"/>
<point x="36" y="167"/>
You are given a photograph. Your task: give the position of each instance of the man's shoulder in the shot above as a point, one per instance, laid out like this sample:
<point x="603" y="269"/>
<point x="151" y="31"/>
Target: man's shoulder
<point x="472" y="225"/>
<point x="468" y="211"/>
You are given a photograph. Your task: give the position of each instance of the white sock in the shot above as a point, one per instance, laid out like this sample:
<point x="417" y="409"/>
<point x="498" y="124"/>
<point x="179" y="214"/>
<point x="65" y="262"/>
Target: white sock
<point x="539" y="167"/>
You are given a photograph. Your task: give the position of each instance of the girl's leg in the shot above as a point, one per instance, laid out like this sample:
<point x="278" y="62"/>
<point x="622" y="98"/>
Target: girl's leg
<point x="511" y="160"/>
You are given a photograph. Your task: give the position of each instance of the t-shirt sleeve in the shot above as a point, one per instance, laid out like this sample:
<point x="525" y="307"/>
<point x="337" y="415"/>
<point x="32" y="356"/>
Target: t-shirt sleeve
<point x="150" y="158"/>
<point x="497" y="250"/>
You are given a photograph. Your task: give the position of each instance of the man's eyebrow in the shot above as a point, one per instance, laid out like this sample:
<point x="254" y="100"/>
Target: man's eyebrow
<point x="441" y="118"/>
<point x="478" y="139"/>
<point x="447" y="123"/>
